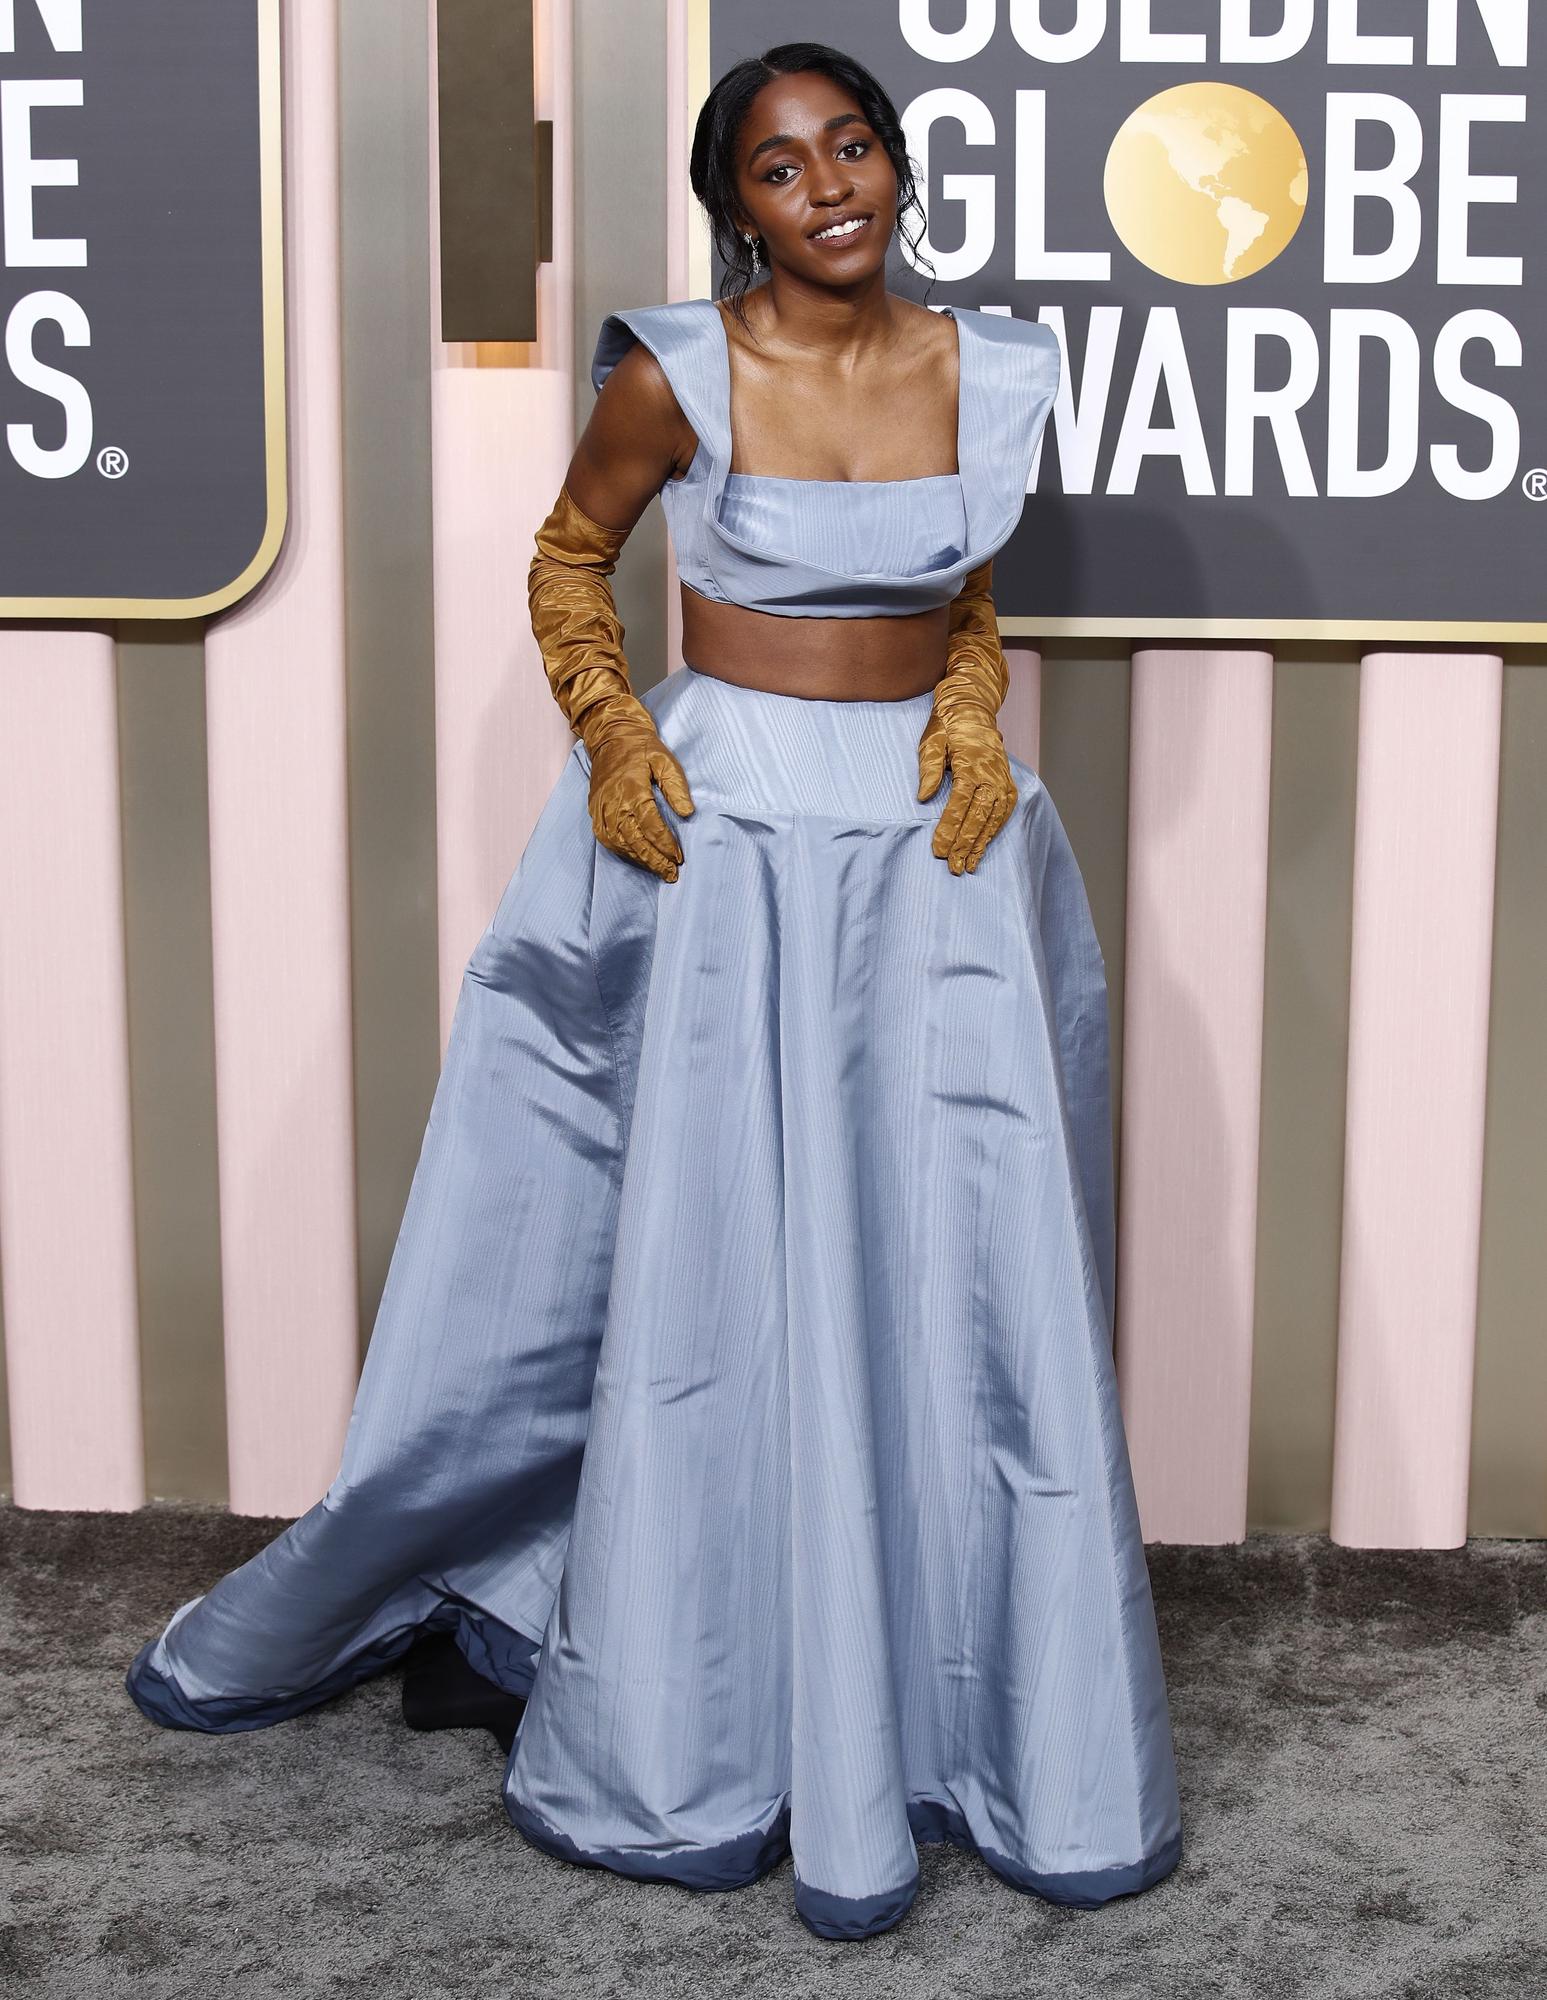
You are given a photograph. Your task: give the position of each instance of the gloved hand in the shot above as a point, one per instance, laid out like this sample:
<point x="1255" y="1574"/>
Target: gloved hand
<point x="626" y="755"/>
<point x="575" y="622"/>
<point x="963" y="730"/>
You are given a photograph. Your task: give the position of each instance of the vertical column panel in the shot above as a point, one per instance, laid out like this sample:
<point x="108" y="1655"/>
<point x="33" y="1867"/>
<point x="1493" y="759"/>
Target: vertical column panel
<point x="5" y="1409"/>
<point x="163" y="774"/>
<point x="389" y="603"/>
<point x="687" y="230"/>
<point x="1304" y="1077"/>
<point x="1083" y="761"/>
<point x="1509" y="1396"/>
<point x="1020" y="719"/>
<point x="1197" y="897"/>
<point x="501" y="438"/>
<point x="1424" y="845"/>
<point x="279" y="884"/>
<point x="66" y="1174"/>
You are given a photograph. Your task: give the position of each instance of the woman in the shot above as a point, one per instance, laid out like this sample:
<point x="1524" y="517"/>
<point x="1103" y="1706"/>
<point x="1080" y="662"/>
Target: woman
<point x="742" y="1397"/>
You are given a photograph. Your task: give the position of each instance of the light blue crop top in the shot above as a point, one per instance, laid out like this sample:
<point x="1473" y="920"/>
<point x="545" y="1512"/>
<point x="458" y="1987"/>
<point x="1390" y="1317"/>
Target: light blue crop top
<point x="844" y="548"/>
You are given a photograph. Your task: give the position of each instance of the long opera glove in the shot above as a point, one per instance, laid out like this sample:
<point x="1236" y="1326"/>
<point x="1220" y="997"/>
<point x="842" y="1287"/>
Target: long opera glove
<point x="578" y="632"/>
<point x="963" y="730"/>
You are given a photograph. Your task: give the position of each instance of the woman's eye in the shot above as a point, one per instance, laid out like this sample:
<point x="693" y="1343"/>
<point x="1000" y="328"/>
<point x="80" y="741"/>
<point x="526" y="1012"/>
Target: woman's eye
<point x="863" y="145"/>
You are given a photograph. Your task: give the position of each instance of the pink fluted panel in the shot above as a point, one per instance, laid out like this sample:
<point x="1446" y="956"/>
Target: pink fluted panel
<point x="501" y="444"/>
<point x="1020" y="719"/>
<point x="1201" y="727"/>
<point x="1426" y="829"/>
<point x="66" y="1174"/>
<point x="279" y="882"/>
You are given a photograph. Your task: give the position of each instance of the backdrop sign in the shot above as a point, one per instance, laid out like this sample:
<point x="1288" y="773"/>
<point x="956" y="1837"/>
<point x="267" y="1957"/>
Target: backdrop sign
<point x="142" y="472"/>
<point x="1294" y="252"/>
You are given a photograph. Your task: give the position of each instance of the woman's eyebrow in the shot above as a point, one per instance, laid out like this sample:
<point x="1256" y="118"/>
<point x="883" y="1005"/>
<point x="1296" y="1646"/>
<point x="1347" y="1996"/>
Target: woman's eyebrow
<point x="787" y="139"/>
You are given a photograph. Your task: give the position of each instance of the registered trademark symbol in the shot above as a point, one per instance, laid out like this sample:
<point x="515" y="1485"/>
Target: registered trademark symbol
<point x="112" y="461"/>
<point x="1535" y="483"/>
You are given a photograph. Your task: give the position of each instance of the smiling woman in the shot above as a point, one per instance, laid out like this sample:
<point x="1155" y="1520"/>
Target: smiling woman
<point x="836" y="231"/>
<point x="742" y="1400"/>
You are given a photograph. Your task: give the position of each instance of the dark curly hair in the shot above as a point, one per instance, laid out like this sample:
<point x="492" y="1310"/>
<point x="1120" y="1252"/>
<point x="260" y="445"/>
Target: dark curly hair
<point x="712" y="165"/>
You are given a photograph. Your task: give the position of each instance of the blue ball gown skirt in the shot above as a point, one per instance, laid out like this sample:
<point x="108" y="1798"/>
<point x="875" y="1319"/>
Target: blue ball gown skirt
<point x="742" y="1391"/>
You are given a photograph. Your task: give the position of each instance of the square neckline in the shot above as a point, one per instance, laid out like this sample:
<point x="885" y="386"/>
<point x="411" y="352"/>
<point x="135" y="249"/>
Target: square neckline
<point x="790" y="479"/>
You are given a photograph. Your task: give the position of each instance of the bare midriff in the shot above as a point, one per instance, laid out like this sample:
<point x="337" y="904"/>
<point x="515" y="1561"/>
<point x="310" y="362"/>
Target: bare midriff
<point x="820" y="659"/>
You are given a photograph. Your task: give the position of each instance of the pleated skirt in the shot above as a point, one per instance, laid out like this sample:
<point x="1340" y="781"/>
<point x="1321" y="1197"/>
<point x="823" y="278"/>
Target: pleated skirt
<point x="742" y="1390"/>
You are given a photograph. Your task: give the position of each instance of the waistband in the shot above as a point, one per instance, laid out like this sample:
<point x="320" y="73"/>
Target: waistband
<point x="748" y="747"/>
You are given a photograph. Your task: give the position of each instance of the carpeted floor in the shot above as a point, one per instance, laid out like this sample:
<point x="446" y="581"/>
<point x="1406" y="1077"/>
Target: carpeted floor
<point x="1362" y="1740"/>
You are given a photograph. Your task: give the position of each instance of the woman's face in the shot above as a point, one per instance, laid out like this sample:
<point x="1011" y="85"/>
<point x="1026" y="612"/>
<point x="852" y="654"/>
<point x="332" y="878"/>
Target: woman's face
<point x="807" y="158"/>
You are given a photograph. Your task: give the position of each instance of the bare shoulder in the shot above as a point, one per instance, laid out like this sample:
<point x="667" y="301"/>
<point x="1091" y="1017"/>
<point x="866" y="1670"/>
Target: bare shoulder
<point x="746" y="336"/>
<point x="928" y="325"/>
<point x="931" y="335"/>
<point x="635" y="439"/>
<point x="638" y="389"/>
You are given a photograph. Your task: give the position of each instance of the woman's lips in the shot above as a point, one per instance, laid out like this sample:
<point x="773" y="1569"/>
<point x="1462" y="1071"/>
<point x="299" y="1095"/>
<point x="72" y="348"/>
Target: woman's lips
<point x="847" y="236"/>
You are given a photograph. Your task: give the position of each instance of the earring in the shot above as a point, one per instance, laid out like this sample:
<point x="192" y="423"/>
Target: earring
<point x="756" y="260"/>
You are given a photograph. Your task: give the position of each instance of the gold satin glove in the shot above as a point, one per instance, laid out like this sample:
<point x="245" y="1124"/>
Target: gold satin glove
<point x="578" y="632"/>
<point x="963" y="731"/>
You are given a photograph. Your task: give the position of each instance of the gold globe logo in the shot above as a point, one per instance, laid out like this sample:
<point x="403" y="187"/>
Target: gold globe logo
<point x="1206" y="183"/>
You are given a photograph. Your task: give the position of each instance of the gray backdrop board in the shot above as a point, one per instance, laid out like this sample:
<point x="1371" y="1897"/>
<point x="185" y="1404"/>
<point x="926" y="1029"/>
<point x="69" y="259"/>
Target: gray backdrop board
<point x="142" y="469"/>
<point x="1302" y="297"/>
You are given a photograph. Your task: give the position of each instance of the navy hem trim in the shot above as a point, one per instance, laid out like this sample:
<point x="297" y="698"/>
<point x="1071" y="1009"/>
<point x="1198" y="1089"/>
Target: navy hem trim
<point x="737" y="1863"/>
<point x="734" y="1864"/>
<point x="848" y="1917"/>
<point x="497" y="1651"/>
<point x="508" y="1658"/>
<point x="1088" y="1888"/>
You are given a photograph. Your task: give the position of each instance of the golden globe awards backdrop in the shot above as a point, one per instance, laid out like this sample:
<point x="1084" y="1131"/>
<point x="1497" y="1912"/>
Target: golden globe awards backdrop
<point x="142" y="471"/>
<point x="1296" y="254"/>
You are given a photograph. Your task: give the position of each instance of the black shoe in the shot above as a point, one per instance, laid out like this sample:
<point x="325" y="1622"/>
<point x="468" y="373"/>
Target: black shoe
<point x="442" y="1691"/>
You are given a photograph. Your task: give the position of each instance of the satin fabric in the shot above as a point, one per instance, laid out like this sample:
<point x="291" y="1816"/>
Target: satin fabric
<point x="742" y="1390"/>
<point x="904" y="526"/>
<point x="1008" y="376"/>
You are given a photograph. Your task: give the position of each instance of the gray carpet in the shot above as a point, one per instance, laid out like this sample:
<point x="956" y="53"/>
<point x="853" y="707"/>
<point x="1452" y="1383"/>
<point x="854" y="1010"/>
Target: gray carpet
<point x="1360" y="1737"/>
